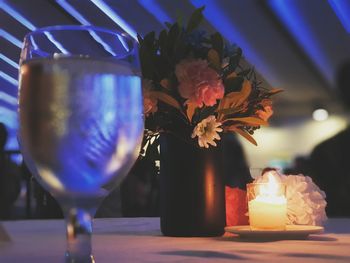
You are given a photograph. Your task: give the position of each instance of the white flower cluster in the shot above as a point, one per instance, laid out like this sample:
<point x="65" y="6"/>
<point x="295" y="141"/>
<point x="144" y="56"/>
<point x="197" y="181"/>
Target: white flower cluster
<point x="305" y="200"/>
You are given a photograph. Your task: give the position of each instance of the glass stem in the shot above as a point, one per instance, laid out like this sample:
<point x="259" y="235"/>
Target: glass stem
<point x="79" y="231"/>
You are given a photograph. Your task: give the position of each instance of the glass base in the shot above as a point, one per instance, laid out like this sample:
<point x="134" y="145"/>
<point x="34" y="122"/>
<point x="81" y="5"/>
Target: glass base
<point x="70" y="259"/>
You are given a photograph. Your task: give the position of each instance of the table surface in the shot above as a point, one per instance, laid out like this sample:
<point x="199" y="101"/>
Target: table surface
<point x="140" y="240"/>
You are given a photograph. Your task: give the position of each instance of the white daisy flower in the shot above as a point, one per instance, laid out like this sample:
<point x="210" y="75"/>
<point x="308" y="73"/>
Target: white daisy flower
<point x="207" y="131"/>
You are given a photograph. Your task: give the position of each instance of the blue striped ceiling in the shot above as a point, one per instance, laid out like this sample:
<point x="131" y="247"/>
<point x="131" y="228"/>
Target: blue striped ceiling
<point x="294" y="44"/>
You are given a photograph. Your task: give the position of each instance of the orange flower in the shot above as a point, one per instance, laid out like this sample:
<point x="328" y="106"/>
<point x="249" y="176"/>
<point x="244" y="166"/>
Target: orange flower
<point x="266" y="102"/>
<point x="149" y="105"/>
<point x="149" y="102"/>
<point x="266" y="113"/>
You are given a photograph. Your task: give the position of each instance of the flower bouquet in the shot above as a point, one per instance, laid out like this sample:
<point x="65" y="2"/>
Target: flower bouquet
<point x="196" y="78"/>
<point x="195" y="90"/>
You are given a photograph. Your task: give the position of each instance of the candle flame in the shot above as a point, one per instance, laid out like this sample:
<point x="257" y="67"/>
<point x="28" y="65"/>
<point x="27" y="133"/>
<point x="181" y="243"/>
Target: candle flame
<point x="271" y="188"/>
<point x="270" y="192"/>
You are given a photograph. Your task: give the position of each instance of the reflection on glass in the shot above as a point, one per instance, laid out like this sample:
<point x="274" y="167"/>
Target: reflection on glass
<point x="80" y="121"/>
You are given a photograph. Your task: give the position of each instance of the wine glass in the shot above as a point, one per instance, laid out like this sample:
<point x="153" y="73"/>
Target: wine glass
<point x="81" y="121"/>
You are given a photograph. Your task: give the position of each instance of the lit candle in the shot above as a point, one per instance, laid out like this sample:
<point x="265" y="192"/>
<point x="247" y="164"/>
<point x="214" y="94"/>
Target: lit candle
<point x="268" y="205"/>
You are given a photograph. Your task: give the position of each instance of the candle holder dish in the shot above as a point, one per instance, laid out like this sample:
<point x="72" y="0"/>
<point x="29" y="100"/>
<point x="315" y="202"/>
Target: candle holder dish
<point x="290" y="232"/>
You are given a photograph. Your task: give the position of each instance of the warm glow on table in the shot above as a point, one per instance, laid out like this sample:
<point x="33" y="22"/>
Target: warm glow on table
<point x="268" y="210"/>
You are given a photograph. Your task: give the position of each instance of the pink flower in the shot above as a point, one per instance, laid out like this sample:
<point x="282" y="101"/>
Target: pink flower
<point x="266" y="113"/>
<point x="149" y="102"/>
<point x="198" y="82"/>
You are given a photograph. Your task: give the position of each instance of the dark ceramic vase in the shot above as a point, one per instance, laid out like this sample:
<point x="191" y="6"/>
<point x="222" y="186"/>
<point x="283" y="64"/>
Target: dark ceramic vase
<point x="192" y="188"/>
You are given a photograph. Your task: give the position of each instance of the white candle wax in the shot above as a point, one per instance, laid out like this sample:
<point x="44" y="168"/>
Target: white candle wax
<point x="269" y="208"/>
<point x="267" y="215"/>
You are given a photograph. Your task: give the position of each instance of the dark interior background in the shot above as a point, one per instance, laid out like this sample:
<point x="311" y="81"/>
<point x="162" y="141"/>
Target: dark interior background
<point x="296" y="45"/>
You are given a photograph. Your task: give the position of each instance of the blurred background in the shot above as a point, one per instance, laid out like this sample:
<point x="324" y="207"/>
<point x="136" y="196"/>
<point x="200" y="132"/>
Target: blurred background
<point x="295" y="45"/>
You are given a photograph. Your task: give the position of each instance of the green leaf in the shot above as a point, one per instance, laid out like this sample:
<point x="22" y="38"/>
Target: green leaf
<point x="233" y="84"/>
<point x="252" y="121"/>
<point x="195" y="19"/>
<point x="147" y="64"/>
<point x="191" y="108"/>
<point x="173" y="32"/>
<point x="181" y="50"/>
<point x="206" y="111"/>
<point x="166" y="99"/>
<point x="234" y="99"/>
<point x="163" y="63"/>
<point x="149" y="40"/>
<point x="172" y="39"/>
<point x="237" y="98"/>
<point x="229" y="111"/>
<point x="179" y="17"/>
<point x="244" y="73"/>
<point x="168" y="25"/>
<point x="243" y="133"/>
<point x="275" y="91"/>
<point x="147" y="53"/>
<point x="214" y="59"/>
<point x="217" y="43"/>
<point x="234" y="60"/>
<point x="162" y="40"/>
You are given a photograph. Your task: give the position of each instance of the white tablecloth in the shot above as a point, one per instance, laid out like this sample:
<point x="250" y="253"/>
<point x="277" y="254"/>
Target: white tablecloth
<point x="140" y="240"/>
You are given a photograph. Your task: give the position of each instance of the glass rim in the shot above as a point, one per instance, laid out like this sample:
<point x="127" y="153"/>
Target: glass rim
<point x="130" y="44"/>
<point x="80" y="27"/>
